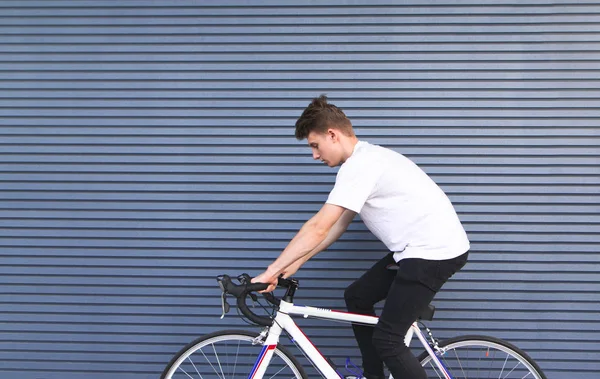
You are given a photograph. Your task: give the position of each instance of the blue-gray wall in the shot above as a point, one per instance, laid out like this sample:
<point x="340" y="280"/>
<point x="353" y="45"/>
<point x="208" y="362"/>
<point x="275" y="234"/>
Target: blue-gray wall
<point x="147" y="146"/>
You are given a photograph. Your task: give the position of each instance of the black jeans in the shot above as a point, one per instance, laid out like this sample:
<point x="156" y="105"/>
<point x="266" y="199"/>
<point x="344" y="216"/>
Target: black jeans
<point x="408" y="291"/>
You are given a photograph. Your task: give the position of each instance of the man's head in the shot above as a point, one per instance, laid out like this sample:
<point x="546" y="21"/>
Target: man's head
<point x="328" y="131"/>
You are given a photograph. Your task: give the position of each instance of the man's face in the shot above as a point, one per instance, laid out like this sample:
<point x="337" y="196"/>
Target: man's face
<point x="325" y="148"/>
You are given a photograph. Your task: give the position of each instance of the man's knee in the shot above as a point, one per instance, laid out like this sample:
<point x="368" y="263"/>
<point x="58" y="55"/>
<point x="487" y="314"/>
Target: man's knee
<point x="350" y="296"/>
<point x="354" y="301"/>
<point x="349" y="292"/>
<point x="388" y="345"/>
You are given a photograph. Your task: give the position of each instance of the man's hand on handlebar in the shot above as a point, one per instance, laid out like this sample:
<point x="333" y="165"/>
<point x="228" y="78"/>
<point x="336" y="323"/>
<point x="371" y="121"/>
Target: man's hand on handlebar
<point x="267" y="278"/>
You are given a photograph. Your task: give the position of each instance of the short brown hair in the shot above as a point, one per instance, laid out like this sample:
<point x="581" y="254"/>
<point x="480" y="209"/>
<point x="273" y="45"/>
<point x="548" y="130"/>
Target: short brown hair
<point x="319" y="116"/>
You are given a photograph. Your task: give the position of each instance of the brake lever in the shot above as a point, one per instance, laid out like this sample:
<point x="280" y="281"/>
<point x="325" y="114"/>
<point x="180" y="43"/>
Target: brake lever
<point x="224" y="305"/>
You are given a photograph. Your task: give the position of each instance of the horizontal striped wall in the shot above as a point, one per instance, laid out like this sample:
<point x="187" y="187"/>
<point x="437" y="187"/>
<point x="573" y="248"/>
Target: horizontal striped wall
<point x="146" y="147"/>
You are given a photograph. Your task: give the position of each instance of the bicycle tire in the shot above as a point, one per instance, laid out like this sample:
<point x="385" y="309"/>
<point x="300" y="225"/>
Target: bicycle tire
<point x="477" y="356"/>
<point x="211" y="364"/>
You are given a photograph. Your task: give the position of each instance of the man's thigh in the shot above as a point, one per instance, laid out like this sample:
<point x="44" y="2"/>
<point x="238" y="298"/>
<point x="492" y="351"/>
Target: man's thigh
<point x="405" y="302"/>
<point x="374" y="284"/>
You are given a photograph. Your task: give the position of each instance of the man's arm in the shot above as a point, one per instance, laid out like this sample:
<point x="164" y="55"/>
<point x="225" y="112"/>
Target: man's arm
<point x="334" y="234"/>
<point x="312" y="235"/>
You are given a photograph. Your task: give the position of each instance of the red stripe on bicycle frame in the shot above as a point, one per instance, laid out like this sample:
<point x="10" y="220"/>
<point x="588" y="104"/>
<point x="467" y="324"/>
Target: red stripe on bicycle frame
<point x="348" y="313"/>
<point x="354" y="314"/>
<point x="269" y="347"/>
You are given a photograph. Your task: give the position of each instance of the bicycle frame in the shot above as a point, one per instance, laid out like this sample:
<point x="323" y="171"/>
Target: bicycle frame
<point x="284" y="321"/>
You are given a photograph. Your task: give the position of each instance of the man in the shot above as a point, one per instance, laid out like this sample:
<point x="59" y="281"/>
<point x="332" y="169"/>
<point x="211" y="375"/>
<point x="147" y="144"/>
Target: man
<point x="402" y="207"/>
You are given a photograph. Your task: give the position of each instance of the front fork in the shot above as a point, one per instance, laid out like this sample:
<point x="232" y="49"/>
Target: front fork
<point x="268" y="338"/>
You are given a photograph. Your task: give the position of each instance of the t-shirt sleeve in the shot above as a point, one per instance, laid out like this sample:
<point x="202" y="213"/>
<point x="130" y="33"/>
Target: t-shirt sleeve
<point x="354" y="184"/>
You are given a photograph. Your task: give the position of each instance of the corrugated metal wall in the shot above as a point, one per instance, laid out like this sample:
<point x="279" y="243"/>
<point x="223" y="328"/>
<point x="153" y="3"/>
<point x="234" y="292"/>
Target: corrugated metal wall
<point x="147" y="146"/>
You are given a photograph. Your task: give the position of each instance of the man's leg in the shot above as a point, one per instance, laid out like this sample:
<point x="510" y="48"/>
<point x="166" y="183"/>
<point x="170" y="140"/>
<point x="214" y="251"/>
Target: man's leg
<point x="405" y="302"/>
<point x="412" y="290"/>
<point x="360" y="298"/>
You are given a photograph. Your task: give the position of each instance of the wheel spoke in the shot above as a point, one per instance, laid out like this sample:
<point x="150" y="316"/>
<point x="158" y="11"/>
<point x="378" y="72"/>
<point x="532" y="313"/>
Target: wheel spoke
<point x="211" y="365"/>
<point x="236" y="358"/>
<point x="274" y="375"/>
<point x="460" y="363"/>
<point x="504" y="365"/>
<point x="188" y="375"/>
<point x="218" y="360"/>
<point x="513" y="369"/>
<point x="195" y="368"/>
<point x="227" y="360"/>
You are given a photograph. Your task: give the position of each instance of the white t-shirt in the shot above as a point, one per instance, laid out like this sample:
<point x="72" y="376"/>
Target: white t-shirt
<point x="399" y="204"/>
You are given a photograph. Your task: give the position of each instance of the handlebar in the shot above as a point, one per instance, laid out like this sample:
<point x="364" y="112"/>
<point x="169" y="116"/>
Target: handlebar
<point x="246" y="288"/>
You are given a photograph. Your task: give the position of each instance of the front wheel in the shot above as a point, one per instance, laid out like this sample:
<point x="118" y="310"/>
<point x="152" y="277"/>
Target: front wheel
<point x="229" y="354"/>
<point x="481" y="357"/>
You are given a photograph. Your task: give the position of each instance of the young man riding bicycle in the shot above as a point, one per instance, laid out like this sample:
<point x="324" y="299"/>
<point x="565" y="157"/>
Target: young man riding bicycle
<point x="402" y="207"/>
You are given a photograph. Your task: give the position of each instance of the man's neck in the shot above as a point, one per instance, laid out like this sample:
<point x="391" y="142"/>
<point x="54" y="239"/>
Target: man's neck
<point x="349" y="145"/>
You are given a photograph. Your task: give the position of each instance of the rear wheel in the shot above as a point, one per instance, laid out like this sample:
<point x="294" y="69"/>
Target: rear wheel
<point x="472" y="357"/>
<point x="229" y="354"/>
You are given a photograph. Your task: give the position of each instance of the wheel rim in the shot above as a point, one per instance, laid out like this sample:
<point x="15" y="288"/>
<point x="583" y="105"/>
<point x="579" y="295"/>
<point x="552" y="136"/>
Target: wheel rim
<point x="481" y="359"/>
<point x="228" y="357"/>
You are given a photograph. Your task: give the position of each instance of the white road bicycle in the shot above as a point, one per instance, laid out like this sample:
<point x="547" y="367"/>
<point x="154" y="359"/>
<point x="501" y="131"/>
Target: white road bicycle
<point x="241" y="354"/>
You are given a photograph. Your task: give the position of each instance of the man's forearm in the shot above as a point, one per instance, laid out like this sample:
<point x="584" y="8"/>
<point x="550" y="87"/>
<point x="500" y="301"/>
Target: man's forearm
<point x="332" y="236"/>
<point x="336" y="231"/>
<point x="291" y="269"/>
<point x="306" y="241"/>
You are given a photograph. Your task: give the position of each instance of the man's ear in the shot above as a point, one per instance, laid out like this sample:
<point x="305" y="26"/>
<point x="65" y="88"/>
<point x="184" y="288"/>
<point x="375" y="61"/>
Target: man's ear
<point x="333" y="134"/>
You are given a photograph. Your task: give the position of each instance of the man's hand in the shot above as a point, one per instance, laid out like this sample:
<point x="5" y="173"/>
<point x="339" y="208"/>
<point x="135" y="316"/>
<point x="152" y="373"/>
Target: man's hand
<point x="267" y="277"/>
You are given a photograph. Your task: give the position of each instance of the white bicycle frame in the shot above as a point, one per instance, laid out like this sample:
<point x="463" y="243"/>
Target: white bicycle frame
<point x="284" y="321"/>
